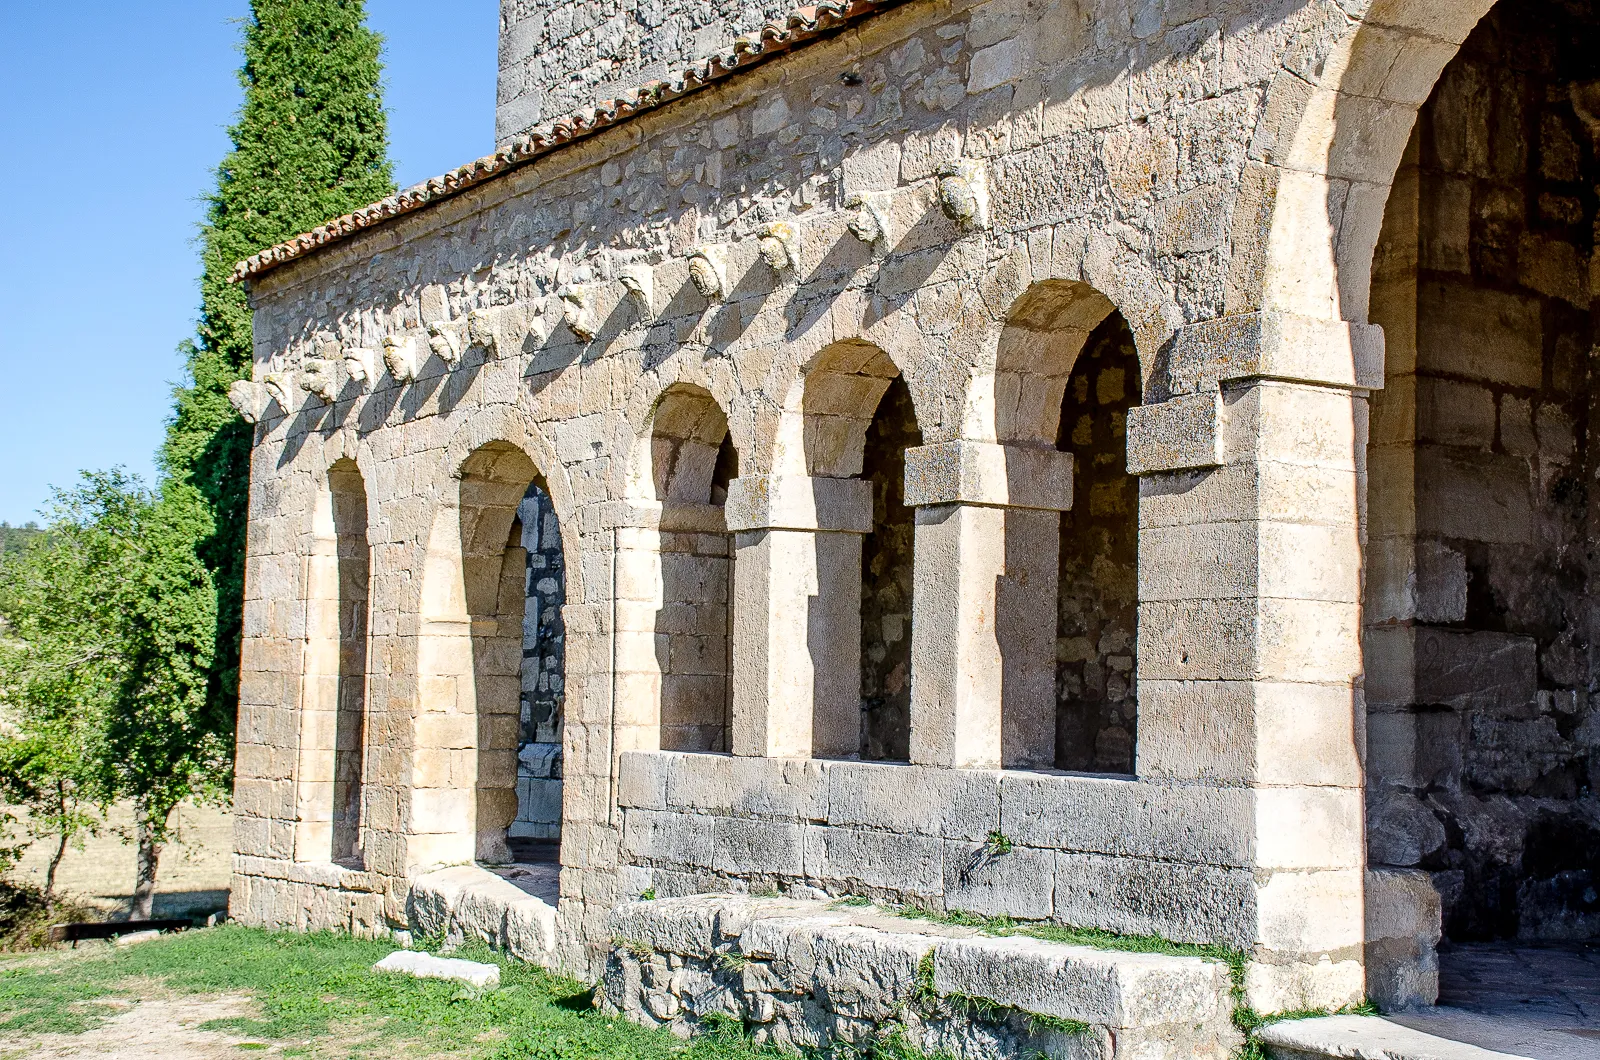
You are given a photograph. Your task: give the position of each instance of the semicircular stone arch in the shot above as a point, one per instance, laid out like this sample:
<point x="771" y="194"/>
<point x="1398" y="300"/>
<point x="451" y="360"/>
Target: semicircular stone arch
<point x="1338" y="156"/>
<point x="488" y="727"/>
<point x="1478" y="552"/>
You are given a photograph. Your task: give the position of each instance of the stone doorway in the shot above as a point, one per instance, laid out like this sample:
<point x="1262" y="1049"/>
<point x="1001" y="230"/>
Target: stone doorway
<point x="1483" y="738"/>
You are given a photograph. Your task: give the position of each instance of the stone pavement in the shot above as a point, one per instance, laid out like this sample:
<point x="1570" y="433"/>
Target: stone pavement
<point x="1540" y="1000"/>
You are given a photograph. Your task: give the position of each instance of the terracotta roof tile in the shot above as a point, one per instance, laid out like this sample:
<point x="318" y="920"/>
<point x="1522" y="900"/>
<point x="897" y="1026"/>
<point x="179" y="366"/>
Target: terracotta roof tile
<point x="799" y="27"/>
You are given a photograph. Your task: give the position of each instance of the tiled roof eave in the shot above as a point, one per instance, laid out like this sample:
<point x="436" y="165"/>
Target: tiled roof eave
<point x="800" y="26"/>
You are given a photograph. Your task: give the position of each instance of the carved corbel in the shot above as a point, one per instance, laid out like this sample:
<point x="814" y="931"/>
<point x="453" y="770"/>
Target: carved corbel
<point x="870" y="222"/>
<point x="498" y="329"/>
<point x="446" y="339"/>
<point x="709" y="274"/>
<point x="639" y="281"/>
<point x="964" y="193"/>
<point x="577" y="309"/>
<point x="480" y="329"/>
<point x="400" y="355"/>
<point x="279" y="386"/>
<point x="360" y="364"/>
<point x="318" y="377"/>
<point x="249" y="399"/>
<point x="780" y="245"/>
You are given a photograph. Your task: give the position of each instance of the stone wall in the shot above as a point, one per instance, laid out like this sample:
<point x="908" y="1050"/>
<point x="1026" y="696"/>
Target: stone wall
<point x="815" y="977"/>
<point x="543" y="671"/>
<point x="1484" y="741"/>
<point x="886" y="589"/>
<point x="1096" y="718"/>
<point x="557" y="56"/>
<point x="989" y="184"/>
<point x="1085" y="851"/>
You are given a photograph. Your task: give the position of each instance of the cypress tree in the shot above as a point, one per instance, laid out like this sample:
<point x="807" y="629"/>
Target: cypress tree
<point x="310" y="144"/>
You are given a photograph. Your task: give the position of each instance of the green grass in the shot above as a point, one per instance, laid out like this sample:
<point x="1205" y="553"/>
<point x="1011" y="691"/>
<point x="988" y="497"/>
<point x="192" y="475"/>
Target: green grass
<point x="321" y="985"/>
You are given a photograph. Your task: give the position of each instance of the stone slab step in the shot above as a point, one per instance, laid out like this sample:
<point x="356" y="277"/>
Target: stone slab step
<point x="427" y="966"/>
<point x="803" y="972"/>
<point x="1367" y="1038"/>
<point x="469" y="902"/>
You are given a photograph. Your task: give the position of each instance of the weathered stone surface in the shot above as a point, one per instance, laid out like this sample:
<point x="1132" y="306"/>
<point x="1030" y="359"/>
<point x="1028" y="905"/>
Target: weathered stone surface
<point x="992" y="219"/>
<point x="812" y="974"/>
<point x="1363" y="1037"/>
<point x="1078" y="983"/>
<point x="427" y="966"/>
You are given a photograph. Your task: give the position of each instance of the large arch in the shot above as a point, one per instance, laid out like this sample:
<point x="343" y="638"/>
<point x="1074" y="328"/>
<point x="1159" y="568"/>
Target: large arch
<point x="1336" y="158"/>
<point x="471" y="648"/>
<point x="1478" y="577"/>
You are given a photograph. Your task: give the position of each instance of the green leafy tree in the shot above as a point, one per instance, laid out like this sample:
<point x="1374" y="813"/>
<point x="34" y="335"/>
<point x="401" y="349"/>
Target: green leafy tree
<point x="48" y="769"/>
<point x="310" y="144"/>
<point x="110" y="631"/>
<point x="62" y="661"/>
<point x="14" y="538"/>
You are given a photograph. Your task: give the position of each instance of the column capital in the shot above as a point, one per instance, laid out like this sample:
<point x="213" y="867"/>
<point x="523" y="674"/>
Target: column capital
<point x="1275" y="345"/>
<point x="988" y="474"/>
<point x="1182" y="433"/>
<point x="799" y="502"/>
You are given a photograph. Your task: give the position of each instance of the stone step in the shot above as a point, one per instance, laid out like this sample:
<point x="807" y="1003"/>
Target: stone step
<point x="469" y="902"/>
<point x="804" y="974"/>
<point x="1367" y="1038"/>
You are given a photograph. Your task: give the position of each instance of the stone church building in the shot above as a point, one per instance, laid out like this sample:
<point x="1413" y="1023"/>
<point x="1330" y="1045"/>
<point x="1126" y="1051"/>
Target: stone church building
<point x="1109" y="464"/>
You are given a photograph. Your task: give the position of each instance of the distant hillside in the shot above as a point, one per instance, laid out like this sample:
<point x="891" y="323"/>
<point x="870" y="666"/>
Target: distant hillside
<point x="13" y="538"/>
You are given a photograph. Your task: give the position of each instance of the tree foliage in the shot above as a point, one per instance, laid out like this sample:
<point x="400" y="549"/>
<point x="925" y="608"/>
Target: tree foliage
<point x="14" y="538"/>
<point x="109" y="632"/>
<point x="120" y="624"/>
<point x="310" y="144"/>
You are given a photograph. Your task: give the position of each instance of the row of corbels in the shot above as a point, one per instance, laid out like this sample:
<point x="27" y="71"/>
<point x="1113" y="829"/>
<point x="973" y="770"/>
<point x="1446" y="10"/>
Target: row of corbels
<point x="962" y="195"/>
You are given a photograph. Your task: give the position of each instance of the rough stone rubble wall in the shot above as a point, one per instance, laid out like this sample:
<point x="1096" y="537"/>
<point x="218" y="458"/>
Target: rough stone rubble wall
<point x="543" y="671"/>
<point x="1097" y="631"/>
<point x="1484" y="741"/>
<point x="557" y="56"/>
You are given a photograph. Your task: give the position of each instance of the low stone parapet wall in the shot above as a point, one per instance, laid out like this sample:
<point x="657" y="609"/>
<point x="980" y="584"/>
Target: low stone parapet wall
<point x="810" y="974"/>
<point x="1117" y="853"/>
<point x="457" y="904"/>
<point x="310" y="896"/>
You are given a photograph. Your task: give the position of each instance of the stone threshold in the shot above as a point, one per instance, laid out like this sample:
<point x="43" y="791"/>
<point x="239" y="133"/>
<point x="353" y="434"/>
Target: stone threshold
<point x="809" y="974"/>
<point x="470" y="902"/>
<point x="1376" y="1038"/>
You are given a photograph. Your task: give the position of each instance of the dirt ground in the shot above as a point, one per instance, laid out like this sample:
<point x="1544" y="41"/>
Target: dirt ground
<point x="158" y="1028"/>
<point x="193" y="875"/>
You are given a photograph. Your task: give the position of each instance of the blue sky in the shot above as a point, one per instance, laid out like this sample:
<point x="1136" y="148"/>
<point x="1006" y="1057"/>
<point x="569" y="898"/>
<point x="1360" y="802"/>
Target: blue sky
<point x="114" y="115"/>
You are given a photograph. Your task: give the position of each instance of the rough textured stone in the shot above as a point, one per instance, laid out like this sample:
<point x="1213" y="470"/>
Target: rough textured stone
<point x="969" y="200"/>
<point x="427" y="966"/>
<point x="816" y="975"/>
<point x="1481" y="747"/>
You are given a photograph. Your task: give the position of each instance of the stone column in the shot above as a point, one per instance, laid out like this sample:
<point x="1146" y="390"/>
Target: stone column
<point x="983" y="630"/>
<point x="637" y="667"/>
<point x="797" y="614"/>
<point x="1249" y="625"/>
